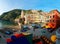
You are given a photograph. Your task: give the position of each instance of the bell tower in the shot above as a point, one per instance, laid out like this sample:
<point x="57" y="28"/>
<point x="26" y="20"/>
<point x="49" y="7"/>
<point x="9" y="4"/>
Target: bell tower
<point x="22" y="14"/>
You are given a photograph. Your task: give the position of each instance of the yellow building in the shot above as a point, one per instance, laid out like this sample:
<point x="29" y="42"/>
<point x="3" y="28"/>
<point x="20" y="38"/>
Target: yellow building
<point x="36" y="17"/>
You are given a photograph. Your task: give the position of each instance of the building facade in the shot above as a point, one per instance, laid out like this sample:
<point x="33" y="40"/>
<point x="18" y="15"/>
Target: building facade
<point x="54" y="19"/>
<point x="36" y="17"/>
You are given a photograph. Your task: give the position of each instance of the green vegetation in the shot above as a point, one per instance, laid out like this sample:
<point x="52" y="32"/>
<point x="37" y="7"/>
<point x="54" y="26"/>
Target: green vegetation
<point x="40" y="11"/>
<point x="13" y="14"/>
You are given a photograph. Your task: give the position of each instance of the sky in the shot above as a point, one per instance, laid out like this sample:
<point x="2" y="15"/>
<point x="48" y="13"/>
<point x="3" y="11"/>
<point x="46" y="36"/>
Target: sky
<point x="45" y="5"/>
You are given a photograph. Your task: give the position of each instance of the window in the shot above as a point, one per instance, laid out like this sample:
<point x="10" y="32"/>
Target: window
<point x="47" y="20"/>
<point x="53" y="20"/>
<point x="50" y="16"/>
<point x="53" y="16"/>
<point x="47" y="16"/>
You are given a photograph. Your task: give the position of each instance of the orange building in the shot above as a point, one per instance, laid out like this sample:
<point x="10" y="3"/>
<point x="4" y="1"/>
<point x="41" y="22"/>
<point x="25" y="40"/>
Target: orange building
<point x="54" y="19"/>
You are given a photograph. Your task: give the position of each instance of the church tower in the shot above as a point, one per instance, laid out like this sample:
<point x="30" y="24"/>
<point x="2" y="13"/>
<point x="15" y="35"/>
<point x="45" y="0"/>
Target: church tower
<point x="23" y="17"/>
<point x="22" y="14"/>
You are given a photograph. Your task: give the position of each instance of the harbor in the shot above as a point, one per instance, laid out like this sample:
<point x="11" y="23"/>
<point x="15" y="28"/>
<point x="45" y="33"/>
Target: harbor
<point x="37" y="33"/>
<point x="31" y="29"/>
<point x="29" y="21"/>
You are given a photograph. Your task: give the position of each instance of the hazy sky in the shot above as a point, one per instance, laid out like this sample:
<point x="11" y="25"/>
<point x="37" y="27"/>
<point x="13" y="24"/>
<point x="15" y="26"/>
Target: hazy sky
<point x="45" y="5"/>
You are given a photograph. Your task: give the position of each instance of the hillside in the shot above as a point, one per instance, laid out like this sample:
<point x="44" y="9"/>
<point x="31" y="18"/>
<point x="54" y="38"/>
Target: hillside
<point x="10" y="15"/>
<point x="13" y="14"/>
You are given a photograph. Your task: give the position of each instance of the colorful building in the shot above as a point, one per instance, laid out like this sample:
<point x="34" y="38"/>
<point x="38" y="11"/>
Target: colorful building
<point x="54" y="19"/>
<point x="36" y="17"/>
